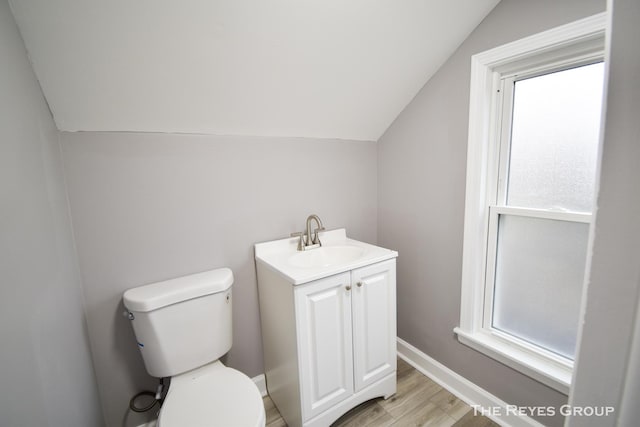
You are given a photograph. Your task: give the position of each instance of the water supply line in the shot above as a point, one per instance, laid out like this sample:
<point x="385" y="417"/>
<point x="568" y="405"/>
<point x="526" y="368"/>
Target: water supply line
<point x="157" y="398"/>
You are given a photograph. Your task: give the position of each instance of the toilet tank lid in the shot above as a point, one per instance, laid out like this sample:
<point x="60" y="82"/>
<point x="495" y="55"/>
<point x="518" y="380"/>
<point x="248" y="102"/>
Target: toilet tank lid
<point x="161" y="294"/>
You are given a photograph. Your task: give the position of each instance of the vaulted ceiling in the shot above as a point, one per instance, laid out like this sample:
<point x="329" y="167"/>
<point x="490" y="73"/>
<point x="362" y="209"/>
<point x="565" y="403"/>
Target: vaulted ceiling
<point x="311" y="68"/>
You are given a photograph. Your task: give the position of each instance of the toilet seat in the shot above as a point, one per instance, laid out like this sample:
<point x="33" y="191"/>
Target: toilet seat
<point x="212" y="396"/>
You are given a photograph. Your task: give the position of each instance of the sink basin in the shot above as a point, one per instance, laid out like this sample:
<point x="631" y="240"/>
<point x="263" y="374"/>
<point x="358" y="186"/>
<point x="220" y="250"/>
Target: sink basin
<point x="337" y="254"/>
<point x="325" y="256"/>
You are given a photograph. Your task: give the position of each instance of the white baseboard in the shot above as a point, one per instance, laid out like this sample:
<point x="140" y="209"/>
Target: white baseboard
<point x="461" y="387"/>
<point x="261" y="383"/>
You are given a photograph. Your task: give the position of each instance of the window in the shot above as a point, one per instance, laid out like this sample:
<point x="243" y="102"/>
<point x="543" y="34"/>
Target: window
<point x="531" y="173"/>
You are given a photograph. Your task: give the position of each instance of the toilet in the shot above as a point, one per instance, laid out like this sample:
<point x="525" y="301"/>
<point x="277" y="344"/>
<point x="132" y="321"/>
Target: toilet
<point x="183" y="326"/>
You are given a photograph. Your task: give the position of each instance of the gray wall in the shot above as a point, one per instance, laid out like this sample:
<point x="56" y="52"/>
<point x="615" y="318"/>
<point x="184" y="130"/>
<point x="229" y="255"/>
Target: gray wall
<point x="421" y="176"/>
<point x="605" y="361"/>
<point x="45" y="365"/>
<point x="148" y="207"/>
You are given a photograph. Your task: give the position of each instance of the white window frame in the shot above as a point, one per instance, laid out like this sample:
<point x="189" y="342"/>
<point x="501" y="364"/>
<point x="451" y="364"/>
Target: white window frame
<point x="570" y="45"/>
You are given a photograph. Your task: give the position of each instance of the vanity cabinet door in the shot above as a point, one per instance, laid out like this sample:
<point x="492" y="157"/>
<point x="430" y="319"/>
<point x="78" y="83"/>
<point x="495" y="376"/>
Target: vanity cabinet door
<point x="374" y="322"/>
<point x="323" y="323"/>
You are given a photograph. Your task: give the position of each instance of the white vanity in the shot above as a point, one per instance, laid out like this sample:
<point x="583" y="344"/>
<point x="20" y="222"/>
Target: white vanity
<point x="328" y="325"/>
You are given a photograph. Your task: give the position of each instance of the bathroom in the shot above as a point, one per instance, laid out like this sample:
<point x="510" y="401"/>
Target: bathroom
<point x="102" y="193"/>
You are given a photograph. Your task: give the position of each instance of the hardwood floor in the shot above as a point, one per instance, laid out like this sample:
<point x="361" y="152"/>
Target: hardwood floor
<point x="418" y="402"/>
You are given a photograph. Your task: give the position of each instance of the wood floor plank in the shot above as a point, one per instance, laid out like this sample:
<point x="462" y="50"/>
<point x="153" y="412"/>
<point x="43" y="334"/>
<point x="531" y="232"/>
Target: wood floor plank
<point x="418" y="402"/>
<point x="412" y="383"/>
<point x="412" y="401"/>
<point x="407" y="398"/>
<point x="439" y="420"/>
<point x="279" y="422"/>
<point x="450" y="404"/>
<point x="424" y="415"/>
<point x="403" y="367"/>
<point x="471" y="420"/>
<point x="272" y="413"/>
<point x="365" y="416"/>
<point x="353" y="413"/>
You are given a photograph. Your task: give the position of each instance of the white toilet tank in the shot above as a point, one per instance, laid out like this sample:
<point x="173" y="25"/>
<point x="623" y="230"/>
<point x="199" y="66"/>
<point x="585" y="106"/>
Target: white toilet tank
<point x="183" y="323"/>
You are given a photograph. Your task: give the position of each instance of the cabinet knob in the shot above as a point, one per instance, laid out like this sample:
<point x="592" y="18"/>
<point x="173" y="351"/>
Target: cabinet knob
<point x="348" y="287"/>
<point x="360" y="284"/>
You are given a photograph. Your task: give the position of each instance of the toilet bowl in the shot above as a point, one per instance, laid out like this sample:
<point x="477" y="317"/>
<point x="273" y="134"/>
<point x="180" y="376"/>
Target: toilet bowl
<point x="212" y="395"/>
<point x="183" y="326"/>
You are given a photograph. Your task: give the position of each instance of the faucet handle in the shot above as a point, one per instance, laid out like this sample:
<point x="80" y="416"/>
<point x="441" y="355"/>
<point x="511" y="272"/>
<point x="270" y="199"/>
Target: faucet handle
<point x="301" y="243"/>
<point x="316" y="239"/>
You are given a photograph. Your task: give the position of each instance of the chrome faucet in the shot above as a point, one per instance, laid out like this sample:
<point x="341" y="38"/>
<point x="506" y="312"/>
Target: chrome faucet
<point x="306" y="240"/>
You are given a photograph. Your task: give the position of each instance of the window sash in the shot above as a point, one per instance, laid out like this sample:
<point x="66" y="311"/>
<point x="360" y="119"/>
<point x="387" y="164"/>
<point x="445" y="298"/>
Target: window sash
<point x="491" y="263"/>
<point x="501" y="135"/>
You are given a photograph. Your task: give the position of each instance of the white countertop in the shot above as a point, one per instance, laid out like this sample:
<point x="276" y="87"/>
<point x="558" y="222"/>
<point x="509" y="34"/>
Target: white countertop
<point x="276" y="255"/>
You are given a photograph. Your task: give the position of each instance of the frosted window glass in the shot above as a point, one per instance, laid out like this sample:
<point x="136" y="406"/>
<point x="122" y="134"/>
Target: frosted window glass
<point x="554" y="139"/>
<point x="538" y="286"/>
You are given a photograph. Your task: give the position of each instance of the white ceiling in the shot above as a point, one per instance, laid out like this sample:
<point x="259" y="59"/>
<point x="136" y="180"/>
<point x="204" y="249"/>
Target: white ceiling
<point x="310" y="68"/>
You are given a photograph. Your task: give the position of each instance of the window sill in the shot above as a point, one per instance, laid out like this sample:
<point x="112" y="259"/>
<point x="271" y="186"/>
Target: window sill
<point x="543" y="369"/>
